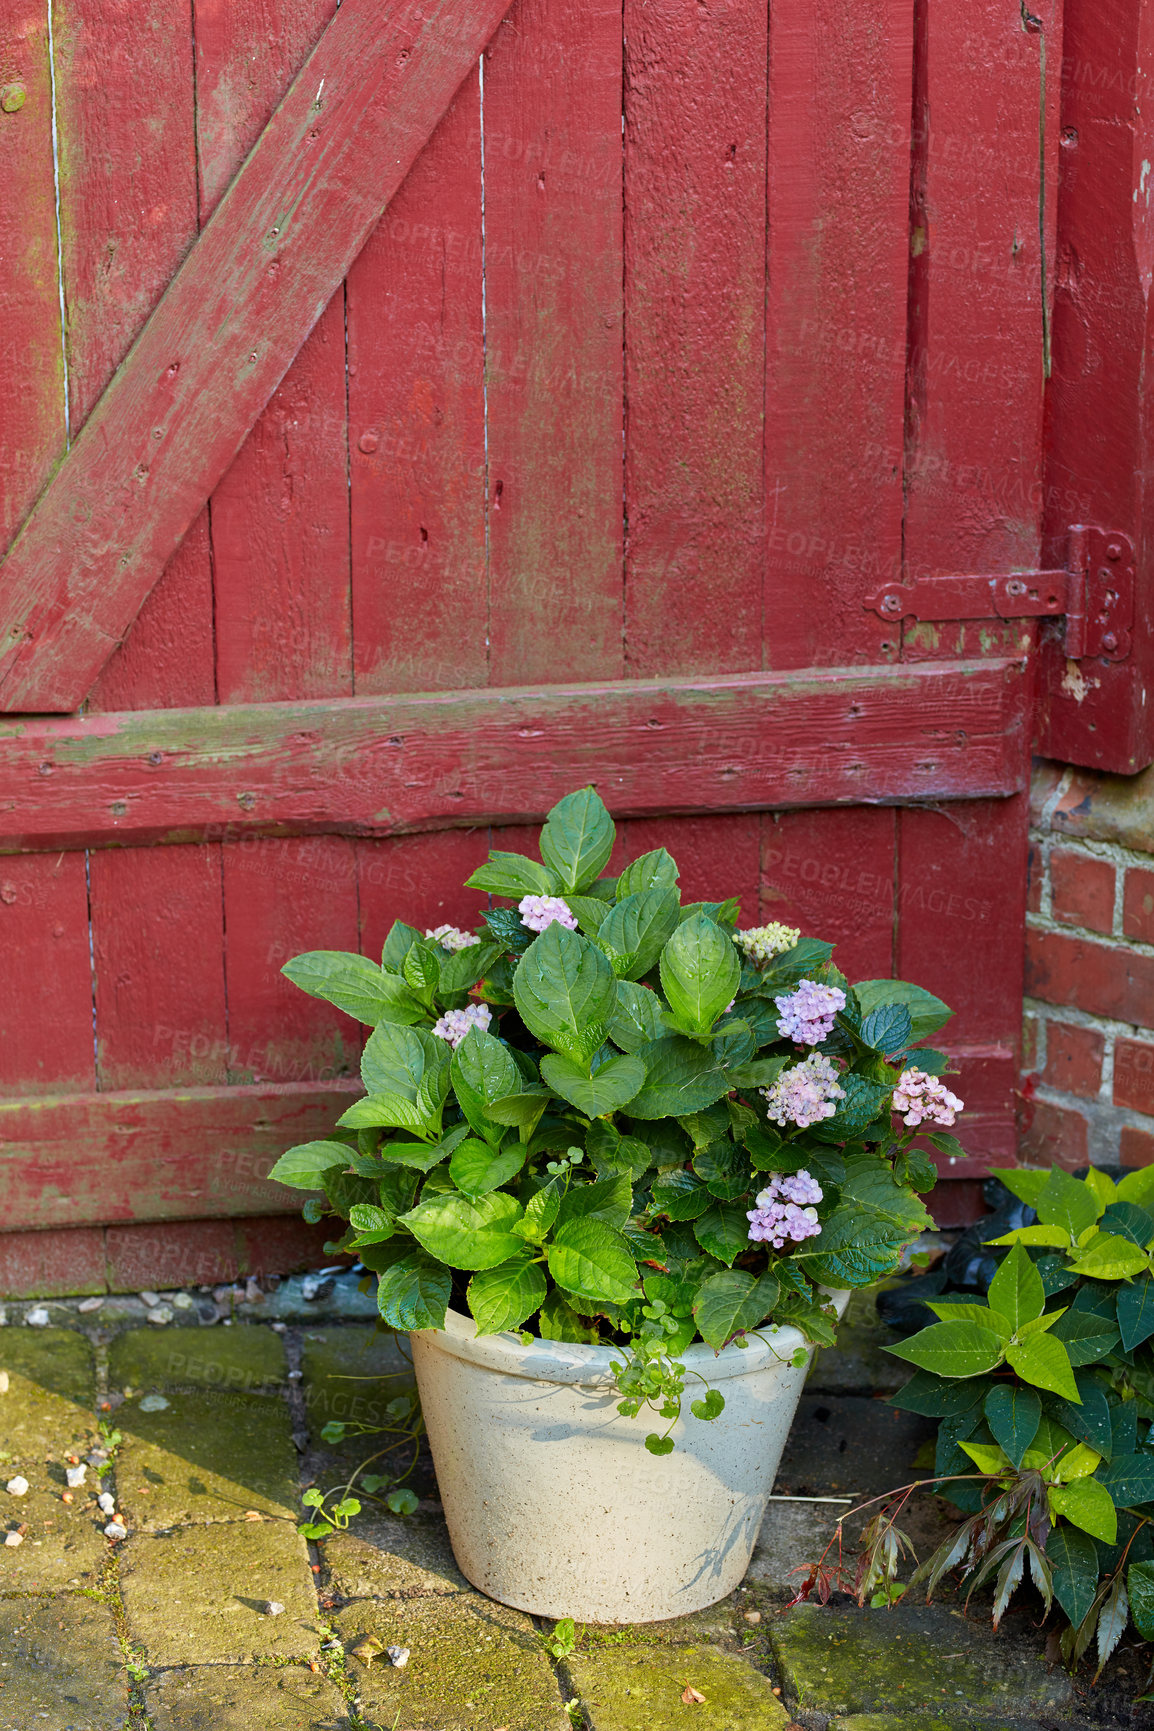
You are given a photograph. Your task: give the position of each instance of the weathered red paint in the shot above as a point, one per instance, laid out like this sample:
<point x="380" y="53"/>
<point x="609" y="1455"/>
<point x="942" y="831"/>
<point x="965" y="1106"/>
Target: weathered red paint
<point x="385" y="766"/>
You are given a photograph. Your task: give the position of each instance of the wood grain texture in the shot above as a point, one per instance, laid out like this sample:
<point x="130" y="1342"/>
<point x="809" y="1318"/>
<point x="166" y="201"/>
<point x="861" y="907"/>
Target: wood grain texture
<point x="552" y="121"/>
<point x="280" y="515"/>
<point x="832" y="874"/>
<point x="839" y="171"/>
<point x="420" y="879"/>
<point x="159" y="969"/>
<point x="1098" y="431"/>
<point x="417" y="424"/>
<point x="73" y="1159"/>
<point x="46" y="1037"/>
<point x="449" y="760"/>
<point x="695" y="263"/>
<point x="230" y="323"/>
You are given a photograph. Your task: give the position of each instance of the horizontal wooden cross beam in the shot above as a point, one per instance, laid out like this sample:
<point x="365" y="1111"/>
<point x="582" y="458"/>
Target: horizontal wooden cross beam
<point x="391" y="765"/>
<point x="224" y="334"/>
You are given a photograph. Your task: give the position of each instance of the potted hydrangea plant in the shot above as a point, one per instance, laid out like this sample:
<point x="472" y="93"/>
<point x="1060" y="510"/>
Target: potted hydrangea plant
<point x="618" y="1158"/>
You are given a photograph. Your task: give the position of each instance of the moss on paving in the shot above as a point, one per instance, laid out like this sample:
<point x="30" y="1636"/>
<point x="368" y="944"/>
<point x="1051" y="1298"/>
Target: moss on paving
<point x="639" y="1687"/>
<point x="58" y="1360"/>
<point x="474" y="1666"/>
<point x="207" y="1457"/>
<point x="60" y="1666"/>
<point x="352" y="1374"/>
<point x="227" y="1358"/>
<point x="380" y="1558"/>
<point x="198" y="1595"/>
<point x="244" y="1698"/>
<point x="919" y="1659"/>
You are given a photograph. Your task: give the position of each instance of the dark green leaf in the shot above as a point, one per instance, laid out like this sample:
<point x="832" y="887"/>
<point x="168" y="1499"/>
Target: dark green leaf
<point x="1013" y="1414"/>
<point x="501" y="1298"/>
<point x="1140" y="1583"/>
<point x="1086" y="1336"/>
<point x="681" y="1077"/>
<point x="414" y="1292"/>
<point x="723" y="1231"/>
<point x="936" y="1397"/>
<point x="559" y="1321"/>
<point x="700" y="973"/>
<point x="635" y="932"/>
<point x="565" y="992"/>
<point x="766" y="1150"/>
<point x="1123" y="1428"/>
<point x="611" y="1152"/>
<point x="1073" y="1559"/>
<point x="393" y="1061"/>
<point x="927" y="1013"/>
<point x="304" y="1167"/>
<point x="590" y="912"/>
<point x="397" y="945"/>
<point x="680" y="1195"/>
<point x="887" y="1029"/>
<point x="1136" y="1311"/>
<point x="422" y="969"/>
<point x="507" y="930"/>
<point x="636" y="1017"/>
<point x="863" y="1102"/>
<point x="761" y="1073"/>
<point x="577" y="839"/>
<point x="1127" y="1220"/>
<point x="724" y="1168"/>
<point x="1129" y="1479"/>
<point x="608" y="1199"/>
<point x="461" y="969"/>
<point x="1089" y="1422"/>
<point x="800" y="963"/>
<point x="1056" y="1276"/>
<point x="732" y="1302"/>
<point x="354" y="984"/>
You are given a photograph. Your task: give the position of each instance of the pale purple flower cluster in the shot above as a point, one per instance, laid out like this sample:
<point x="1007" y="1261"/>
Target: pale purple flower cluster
<point x="804" y="1094"/>
<point x="455" y="1024"/>
<point x="452" y="937"/>
<point x="784" y="1212"/>
<point x="920" y="1096"/>
<point x="807" y="1014"/>
<point x="537" y="912"/>
<point x="760" y="943"/>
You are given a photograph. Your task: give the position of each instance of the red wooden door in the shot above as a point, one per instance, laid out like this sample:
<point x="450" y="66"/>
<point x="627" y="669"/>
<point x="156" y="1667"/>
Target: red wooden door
<point x="677" y="340"/>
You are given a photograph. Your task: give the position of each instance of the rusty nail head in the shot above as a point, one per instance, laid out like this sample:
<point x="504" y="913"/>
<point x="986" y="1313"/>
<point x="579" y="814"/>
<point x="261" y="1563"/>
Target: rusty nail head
<point x="368" y="443"/>
<point x="1114" y="550"/>
<point x="12" y="97"/>
<point x="1109" y="641"/>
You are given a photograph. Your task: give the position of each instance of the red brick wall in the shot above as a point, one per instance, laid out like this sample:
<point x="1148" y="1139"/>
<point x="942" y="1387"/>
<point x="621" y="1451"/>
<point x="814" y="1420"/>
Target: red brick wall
<point x="1088" y="1084"/>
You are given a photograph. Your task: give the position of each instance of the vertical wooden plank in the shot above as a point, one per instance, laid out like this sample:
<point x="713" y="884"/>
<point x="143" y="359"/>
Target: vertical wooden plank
<point x="420" y="879"/>
<point x="695" y="216"/>
<point x="160" y="1010"/>
<point x="45" y="973"/>
<point x="281" y="574"/>
<point x="832" y="874"/>
<point x="280" y="516"/>
<point x="128" y="214"/>
<point x="985" y="159"/>
<point x="280" y="898"/>
<point x="417" y="425"/>
<point x="718" y="857"/>
<point x="1099" y="437"/>
<point x="552" y="122"/>
<point x="839" y="168"/>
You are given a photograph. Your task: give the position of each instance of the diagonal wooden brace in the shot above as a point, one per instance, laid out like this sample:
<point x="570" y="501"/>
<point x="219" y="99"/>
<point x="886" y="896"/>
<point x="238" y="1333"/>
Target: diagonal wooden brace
<point x="224" y="334"/>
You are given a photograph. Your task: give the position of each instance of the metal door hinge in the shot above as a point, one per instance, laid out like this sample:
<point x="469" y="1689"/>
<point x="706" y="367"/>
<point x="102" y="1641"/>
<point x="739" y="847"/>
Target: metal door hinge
<point x="1095" y="592"/>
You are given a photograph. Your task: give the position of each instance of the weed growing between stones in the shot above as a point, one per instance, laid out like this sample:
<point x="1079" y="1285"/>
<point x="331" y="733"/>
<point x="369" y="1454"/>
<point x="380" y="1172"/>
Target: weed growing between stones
<point x="398" y="1499"/>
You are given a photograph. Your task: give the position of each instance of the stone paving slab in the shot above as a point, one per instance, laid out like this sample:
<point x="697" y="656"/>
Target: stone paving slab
<point x="382" y="1558"/>
<point x="351" y="1373"/>
<point x="859" y="1364"/>
<point x="920" y="1722"/>
<point x="46" y="1414"/>
<point x="57" y="1360"/>
<point x="927" y="1659"/>
<point x="63" y="1547"/>
<point x="198" y="1594"/>
<point x="207" y="1457"/>
<point x="60" y="1666"/>
<point x="244" y="1698"/>
<point x="638" y="1686"/>
<point x="230" y="1358"/>
<point x="474" y="1666"/>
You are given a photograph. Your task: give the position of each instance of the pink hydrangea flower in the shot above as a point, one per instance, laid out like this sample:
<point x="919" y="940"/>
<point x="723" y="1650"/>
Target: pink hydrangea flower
<point x="920" y="1097"/>
<point x="452" y="937"/>
<point x="537" y="912"/>
<point x="807" y="1014"/>
<point x="784" y="1213"/>
<point x="455" y="1024"/>
<point x="805" y="1093"/>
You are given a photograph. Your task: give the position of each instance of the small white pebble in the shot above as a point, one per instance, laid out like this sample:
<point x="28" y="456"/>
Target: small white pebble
<point x="116" y="1530"/>
<point x="295" y="1375"/>
<point x="182" y="1301"/>
<point x="253" y="1292"/>
<point x="106" y="1503"/>
<point x="37" y="1318"/>
<point x="87" y="1305"/>
<point x="75" y="1477"/>
<point x="273" y="1608"/>
<point x="17" y="1487"/>
<point x="3" y="1382"/>
<point x="153" y="1403"/>
<point x="13" y="1538"/>
<point x="150" y="1298"/>
<point x="397" y="1656"/>
<point x="753" y="1616"/>
<point x="161" y="1315"/>
<point x="279" y="1327"/>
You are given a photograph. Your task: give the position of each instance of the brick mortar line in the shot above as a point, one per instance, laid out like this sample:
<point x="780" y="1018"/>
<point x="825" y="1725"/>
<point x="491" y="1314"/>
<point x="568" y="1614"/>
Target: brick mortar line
<point x="1105" y="1025"/>
<point x="1120" y="1117"/>
<point x="1040" y="922"/>
<point x="1111" y="1033"/>
<point x="1123" y="860"/>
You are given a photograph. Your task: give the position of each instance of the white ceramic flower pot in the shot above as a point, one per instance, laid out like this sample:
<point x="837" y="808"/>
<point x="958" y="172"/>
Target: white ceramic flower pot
<point x="554" y="1504"/>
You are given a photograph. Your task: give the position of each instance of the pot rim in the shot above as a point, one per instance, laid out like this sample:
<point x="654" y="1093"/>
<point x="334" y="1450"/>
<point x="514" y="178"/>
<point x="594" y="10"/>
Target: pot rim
<point x="563" y="1361"/>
